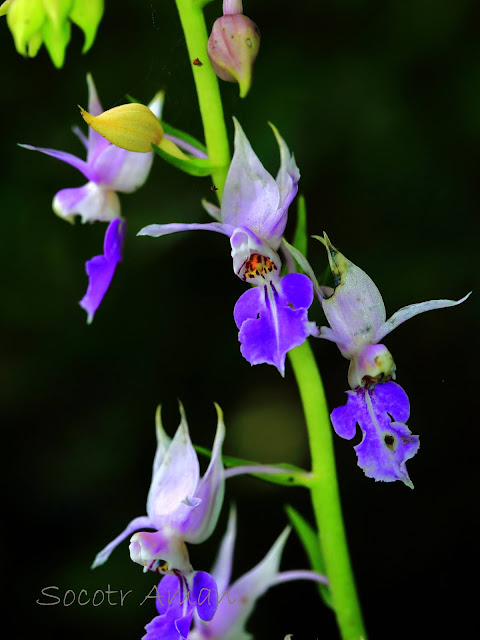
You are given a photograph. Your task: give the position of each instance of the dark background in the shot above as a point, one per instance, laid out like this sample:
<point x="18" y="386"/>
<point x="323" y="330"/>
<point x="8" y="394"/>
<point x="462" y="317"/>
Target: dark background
<point x="380" y="102"/>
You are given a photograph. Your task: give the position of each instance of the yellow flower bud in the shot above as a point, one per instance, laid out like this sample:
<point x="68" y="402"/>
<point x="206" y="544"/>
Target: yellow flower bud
<point x="131" y="126"/>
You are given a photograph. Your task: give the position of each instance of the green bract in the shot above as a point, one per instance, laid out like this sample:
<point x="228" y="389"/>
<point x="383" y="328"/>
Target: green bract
<point x="37" y="22"/>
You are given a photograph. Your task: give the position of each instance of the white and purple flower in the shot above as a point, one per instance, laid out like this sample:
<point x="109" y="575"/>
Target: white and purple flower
<point x="357" y="317"/>
<point x="235" y="601"/>
<point x="272" y="316"/>
<point x="108" y="169"/>
<point x="181" y="506"/>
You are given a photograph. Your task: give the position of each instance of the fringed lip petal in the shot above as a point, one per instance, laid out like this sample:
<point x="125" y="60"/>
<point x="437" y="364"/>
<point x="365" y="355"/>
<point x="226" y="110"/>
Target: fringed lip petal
<point x="91" y="202"/>
<point x="142" y="522"/>
<point x="251" y="194"/>
<point x="210" y="490"/>
<point x="82" y="166"/>
<point x="158" y="230"/>
<point x="387" y="442"/>
<point x="269" y="326"/>
<point x="101" y="269"/>
<point x="176" y="478"/>
<point x="405" y="313"/>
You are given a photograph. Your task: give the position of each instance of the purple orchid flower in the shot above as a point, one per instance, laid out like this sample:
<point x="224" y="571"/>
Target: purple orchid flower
<point x="178" y="599"/>
<point x="235" y="602"/>
<point x="271" y="316"/>
<point x="181" y="506"/>
<point x="357" y="317"/>
<point x="108" y="169"/>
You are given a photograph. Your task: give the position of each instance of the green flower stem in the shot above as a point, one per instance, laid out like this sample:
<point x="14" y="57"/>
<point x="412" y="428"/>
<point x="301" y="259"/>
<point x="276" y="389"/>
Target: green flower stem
<point x="208" y="91"/>
<point x="325" y="495"/>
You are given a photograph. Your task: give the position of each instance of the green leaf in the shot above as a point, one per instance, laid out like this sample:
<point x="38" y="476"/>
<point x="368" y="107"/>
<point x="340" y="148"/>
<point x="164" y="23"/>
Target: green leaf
<point x="309" y="539"/>
<point x="194" y="166"/>
<point x="293" y="476"/>
<point x="300" y="236"/>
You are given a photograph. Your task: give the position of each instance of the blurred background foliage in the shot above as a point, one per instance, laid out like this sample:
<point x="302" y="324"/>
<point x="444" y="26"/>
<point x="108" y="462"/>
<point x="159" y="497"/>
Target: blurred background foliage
<point x="380" y="101"/>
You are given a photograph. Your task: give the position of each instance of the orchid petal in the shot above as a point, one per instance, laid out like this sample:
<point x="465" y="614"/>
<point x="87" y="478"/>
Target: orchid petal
<point x="92" y="202"/>
<point x="244" y="244"/>
<point x="355" y="311"/>
<point x="121" y="170"/>
<point x="205" y="595"/>
<point x="81" y="136"/>
<point x="234" y="610"/>
<point x="202" y="521"/>
<point x="212" y="210"/>
<point x="162" y="628"/>
<point x="163" y="441"/>
<point x="96" y="142"/>
<point x="143" y="522"/>
<point x="156" y="104"/>
<point x="269" y="326"/>
<point x="167" y="592"/>
<point x="250" y="194"/>
<point x="100" y="269"/>
<point x="183" y="625"/>
<point x="222" y="569"/>
<point x="69" y="158"/>
<point x="156" y="551"/>
<point x="177" y="476"/>
<point x="157" y="230"/>
<point x="387" y="442"/>
<point x="405" y="313"/>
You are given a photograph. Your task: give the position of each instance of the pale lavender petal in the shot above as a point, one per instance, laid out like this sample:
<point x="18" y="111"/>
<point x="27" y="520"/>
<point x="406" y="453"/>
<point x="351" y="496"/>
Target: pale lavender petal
<point x="157" y="230"/>
<point x="92" y="202"/>
<point x="96" y="142"/>
<point x="69" y="158"/>
<point x="163" y="441"/>
<point x="250" y="195"/>
<point x="269" y="326"/>
<point x="210" y="490"/>
<point x="122" y="170"/>
<point x="204" y="594"/>
<point x="143" y="522"/>
<point x="176" y="478"/>
<point x="222" y="569"/>
<point x="81" y="136"/>
<point x="156" y="104"/>
<point x="405" y="313"/>
<point x="387" y="442"/>
<point x="238" y="603"/>
<point x="100" y="269"/>
<point x="355" y="310"/>
<point x="212" y="210"/>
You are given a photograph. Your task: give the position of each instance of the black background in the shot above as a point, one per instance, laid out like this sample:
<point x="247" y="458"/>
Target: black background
<point x="380" y="101"/>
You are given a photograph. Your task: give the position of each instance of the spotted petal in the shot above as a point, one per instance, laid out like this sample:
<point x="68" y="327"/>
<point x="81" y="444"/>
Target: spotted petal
<point x="269" y="326"/>
<point x="100" y="269"/>
<point x="387" y="442"/>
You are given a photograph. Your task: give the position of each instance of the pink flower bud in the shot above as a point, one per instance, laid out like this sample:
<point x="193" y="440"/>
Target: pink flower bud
<point x="232" y="48"/>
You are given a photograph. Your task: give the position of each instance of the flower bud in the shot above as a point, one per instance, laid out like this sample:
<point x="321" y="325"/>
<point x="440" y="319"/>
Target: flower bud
<point x="232" y="48"/>
<point x="130" y="126"/>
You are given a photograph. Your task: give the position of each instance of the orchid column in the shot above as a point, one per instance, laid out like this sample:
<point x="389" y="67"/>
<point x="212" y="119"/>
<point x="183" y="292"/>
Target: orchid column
<point x="324" y="490"/>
